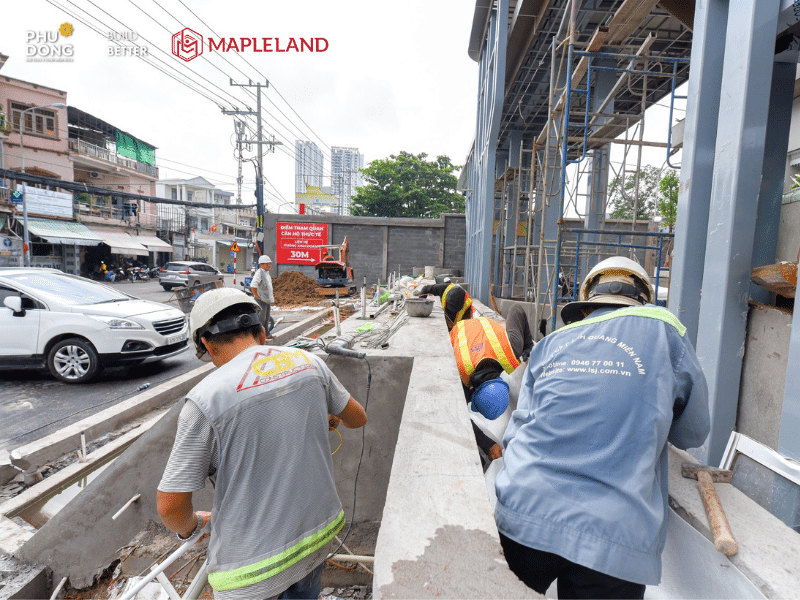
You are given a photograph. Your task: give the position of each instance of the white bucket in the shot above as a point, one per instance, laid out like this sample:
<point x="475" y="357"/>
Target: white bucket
<point x="429" y="272"/>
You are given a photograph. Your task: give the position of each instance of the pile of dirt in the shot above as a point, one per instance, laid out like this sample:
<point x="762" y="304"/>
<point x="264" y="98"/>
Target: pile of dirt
<point x="292" y="287"/>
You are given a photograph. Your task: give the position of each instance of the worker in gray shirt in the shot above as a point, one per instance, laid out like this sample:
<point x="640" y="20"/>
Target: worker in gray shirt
<point x="261" y="286"/>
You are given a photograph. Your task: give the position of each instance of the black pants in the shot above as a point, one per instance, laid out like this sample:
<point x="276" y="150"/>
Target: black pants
<point x="519" y="331"/>
<point x="538" y="570"/>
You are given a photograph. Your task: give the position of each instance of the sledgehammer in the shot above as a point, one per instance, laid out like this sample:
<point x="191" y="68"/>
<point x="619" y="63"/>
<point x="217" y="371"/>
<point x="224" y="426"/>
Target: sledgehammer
<point x="706" y="477"/>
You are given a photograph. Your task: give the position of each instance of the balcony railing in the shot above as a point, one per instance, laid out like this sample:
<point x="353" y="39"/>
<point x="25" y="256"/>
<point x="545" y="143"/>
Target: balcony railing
<point x="87" y="149"/>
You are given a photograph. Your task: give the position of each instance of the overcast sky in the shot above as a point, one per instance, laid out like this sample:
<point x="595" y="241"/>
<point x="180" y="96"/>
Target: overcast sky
<point x="395" y="76"/>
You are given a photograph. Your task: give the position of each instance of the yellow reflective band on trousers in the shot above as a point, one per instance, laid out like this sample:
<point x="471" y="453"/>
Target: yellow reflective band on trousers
<point x="244" y="576"/>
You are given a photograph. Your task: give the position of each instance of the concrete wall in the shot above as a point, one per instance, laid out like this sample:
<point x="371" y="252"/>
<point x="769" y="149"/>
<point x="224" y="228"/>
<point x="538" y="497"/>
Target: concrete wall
<point x="789" y="228"/>
<point x="387" y="395"/>
<point x="379" y="246"/>
<point x="764" y="374"/>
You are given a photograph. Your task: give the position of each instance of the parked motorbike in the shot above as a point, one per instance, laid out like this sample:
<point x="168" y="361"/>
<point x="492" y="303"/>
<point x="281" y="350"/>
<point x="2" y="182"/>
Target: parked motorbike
<point x="138" y="274"/>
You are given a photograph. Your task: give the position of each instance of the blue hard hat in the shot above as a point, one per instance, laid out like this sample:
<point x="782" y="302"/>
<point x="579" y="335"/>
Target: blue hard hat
<point x="491" y="398"/>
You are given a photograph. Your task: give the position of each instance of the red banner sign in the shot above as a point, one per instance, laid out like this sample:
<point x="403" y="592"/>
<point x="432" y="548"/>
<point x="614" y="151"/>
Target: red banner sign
<point x="297" y="243"/>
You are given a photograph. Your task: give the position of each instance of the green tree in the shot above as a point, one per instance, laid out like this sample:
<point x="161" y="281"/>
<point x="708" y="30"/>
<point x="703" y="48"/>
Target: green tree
<point x="408" y="185"/>
<point x="622" y="194"/>
<point x="668" y="199"/>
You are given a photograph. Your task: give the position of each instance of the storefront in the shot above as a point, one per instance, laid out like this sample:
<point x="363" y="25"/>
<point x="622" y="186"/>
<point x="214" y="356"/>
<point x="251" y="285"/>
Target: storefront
<point x="60" y="244"/>
<point x="160" y="251"/>
<point x="117" y="245"/>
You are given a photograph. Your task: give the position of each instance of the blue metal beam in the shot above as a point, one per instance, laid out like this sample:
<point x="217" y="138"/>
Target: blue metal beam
<point x="480" y="203"/>
<point x="697" y="164"/>
<point x="738" y="164"/>
<point x="772" y="181"/>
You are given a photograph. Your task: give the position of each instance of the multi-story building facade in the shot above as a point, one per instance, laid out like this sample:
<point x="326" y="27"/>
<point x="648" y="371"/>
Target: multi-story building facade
<point x="345" y="175"/>
<point x="71" y="230"/>
<point x="309" y="163"/>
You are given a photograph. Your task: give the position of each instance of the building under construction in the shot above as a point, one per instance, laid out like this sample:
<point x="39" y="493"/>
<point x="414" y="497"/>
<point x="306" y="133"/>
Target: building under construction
<point x="562" y="84"/>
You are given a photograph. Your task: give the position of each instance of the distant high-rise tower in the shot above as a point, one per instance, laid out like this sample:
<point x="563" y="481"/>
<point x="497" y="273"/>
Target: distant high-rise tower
<point x="308" y="165"/>
<point x="345" y="175"/>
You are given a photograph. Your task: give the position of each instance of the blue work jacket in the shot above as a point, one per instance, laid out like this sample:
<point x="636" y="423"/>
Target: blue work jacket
<point x="585" y="459"/>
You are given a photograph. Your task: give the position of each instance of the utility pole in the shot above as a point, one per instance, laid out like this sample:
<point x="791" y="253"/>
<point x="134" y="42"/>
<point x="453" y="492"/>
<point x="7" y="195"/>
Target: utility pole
<point x="259" y="142"/>
<point x="239" y="125"/>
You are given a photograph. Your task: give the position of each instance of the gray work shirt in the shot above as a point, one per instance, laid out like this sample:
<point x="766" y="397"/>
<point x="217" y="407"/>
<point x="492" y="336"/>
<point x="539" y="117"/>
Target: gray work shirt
<point x="263" y="283"/>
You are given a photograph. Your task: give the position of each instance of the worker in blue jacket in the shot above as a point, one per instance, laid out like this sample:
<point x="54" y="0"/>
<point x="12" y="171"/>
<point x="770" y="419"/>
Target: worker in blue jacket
<point x="582" y="496"/>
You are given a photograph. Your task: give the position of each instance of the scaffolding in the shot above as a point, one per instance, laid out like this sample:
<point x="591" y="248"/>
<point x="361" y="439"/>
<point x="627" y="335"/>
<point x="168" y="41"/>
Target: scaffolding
<point x="552" y="199"/>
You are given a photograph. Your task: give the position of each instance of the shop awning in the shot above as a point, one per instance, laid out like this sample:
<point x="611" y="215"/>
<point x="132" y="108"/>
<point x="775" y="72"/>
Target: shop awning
<point x="153" y="243"/>
<point x="120" y="242"/>
<point x="63" y="232"/>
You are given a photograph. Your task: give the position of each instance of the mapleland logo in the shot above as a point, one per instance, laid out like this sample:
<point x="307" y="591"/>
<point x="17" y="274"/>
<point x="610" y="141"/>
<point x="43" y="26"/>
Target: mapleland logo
<point x="187" y="44"/>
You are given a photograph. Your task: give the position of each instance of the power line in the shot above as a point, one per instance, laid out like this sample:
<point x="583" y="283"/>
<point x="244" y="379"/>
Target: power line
<point x="93" y="28"/>
<point x="204" y="57"/>
<point x="262" y="76"/>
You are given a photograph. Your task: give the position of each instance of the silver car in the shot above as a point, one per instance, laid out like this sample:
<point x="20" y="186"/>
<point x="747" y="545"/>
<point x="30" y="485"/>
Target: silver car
<point x="187" y="273"/>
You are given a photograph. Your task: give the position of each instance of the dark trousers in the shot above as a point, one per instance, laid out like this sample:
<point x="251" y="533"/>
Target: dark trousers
<point x="264" y="316"/>
<point x="538" y="570"/>
<point x="519" y="331"/>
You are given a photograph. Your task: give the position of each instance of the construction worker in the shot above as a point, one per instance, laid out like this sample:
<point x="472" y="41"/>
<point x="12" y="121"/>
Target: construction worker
<point x="259" y="425"/>
<point x="582" y="495"/>
<point x="484" y="349"/>
<point x="456" y="302"/>
<point x="261" y="286"/>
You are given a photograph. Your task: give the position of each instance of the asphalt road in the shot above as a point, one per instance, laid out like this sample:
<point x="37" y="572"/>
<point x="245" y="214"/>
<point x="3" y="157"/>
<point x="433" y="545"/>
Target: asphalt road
<point x="33" y="404"/>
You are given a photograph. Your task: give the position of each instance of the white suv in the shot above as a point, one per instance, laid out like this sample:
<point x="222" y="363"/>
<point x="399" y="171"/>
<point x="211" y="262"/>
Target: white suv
<point x="75" y="327"/>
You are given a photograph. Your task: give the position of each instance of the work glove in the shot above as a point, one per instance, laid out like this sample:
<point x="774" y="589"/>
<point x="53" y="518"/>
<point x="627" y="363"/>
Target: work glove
<point x="416" y="291"/>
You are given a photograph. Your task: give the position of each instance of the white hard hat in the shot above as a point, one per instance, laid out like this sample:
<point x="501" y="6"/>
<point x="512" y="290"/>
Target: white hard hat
<point x="210" y="304"/>
<point x="613" y="281"/>
<point x="264" y="259"/>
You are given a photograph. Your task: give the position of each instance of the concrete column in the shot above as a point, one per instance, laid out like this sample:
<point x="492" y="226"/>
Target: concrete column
<point x="739" y="160"/>
<point x="789" y="438"/>
<point x="697" y="164"/>
<point x="773" y="178"/>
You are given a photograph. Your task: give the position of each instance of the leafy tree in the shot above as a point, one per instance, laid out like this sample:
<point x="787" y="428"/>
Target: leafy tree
<point x="622" y="194"/>
<point x="654" y="191"/>
<point x="668" y="199"/>
<point x="408" y="185"/>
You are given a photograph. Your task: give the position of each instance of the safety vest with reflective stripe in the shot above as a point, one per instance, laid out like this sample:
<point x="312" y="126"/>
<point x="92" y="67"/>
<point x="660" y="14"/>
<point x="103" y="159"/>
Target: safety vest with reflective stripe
<point x="464" y="308"/>
<point x="244" y="576"/>
<point x="477" y="339"/>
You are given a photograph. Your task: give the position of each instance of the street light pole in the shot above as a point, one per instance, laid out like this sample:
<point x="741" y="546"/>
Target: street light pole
<point x="26" y="250"/>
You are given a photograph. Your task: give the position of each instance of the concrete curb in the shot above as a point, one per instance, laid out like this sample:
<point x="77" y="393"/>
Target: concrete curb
<point x="67" y="439"/>
<point x="284" y="335"/>
<point x="13" y="506"/>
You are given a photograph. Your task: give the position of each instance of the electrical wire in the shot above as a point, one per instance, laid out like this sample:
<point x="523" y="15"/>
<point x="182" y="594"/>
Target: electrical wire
<point x="262" y="76"/>
<point x="360" y="459"/>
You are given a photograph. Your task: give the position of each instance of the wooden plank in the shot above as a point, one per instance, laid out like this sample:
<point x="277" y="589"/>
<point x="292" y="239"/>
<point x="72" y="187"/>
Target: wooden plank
<point x="780" y="278"/>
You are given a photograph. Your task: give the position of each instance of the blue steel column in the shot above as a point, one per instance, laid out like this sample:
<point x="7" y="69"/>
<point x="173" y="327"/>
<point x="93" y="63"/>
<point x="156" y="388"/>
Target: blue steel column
<point x="480" y="208"/>
<point x="512" y="209"/>
<point x="739" y="159"/>
<point x="697" y="163"/>
<point x="602" y="83"/>
<point x="771" y="194"/>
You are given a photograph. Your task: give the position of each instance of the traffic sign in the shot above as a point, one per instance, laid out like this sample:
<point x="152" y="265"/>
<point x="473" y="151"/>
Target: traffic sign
<point x="16" y="197"/>
<point x="233" y="254"/>
<point x="235" y="247"/>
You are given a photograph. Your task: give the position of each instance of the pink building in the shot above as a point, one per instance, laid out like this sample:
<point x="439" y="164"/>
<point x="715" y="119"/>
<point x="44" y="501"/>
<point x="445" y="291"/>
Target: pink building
<point x="45" y="148"/>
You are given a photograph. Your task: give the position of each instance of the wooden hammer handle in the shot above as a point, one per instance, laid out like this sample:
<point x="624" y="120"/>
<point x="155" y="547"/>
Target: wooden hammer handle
<point x="723" y="538"/>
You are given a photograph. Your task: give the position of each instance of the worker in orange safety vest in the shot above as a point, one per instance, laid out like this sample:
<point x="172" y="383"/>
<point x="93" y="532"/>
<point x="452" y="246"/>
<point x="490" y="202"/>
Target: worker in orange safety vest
<point x="483" y="350"/>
